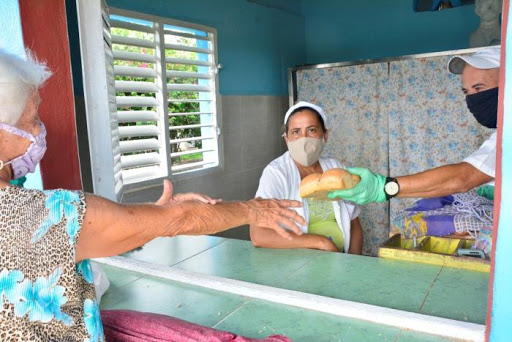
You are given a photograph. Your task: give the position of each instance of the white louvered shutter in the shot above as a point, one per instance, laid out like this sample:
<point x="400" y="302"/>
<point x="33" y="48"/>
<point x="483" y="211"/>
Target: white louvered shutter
<point x="142" y="111"/>
<point x="166" y="96"/>
<point x="192" y="97"/>
<point x="100" y="100"/>
<point x="151" y="97"/>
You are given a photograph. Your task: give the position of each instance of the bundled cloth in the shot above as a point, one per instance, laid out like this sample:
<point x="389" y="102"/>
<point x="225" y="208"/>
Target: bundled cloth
<point x="459" y="213"/>
<point x="133" y="326"/>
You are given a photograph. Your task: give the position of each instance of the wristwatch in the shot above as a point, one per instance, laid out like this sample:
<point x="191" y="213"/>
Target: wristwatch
<point x="391" y="187"/>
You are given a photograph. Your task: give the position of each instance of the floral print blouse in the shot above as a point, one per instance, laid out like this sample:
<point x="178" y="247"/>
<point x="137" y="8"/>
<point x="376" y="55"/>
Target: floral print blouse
<point x="45" y="295"/>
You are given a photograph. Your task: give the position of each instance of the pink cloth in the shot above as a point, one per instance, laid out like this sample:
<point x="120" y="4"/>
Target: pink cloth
<point x="133" y="326"/>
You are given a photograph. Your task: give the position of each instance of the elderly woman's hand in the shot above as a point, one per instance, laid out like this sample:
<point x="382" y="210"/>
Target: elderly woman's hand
<point x="168" y="198"/>
<point x="110" y="228"/>
<point x="276" y="215"/>
<point x="191" y="196"/>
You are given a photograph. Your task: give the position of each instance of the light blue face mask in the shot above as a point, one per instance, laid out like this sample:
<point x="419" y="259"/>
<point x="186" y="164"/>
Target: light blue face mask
<point x="28" y="161"/>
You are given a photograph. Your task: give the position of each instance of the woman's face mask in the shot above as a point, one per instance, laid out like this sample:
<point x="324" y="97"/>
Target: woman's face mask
<point x="306" y="151"/>
<point x="484" y="107"/>
<point x="27" y="161"/>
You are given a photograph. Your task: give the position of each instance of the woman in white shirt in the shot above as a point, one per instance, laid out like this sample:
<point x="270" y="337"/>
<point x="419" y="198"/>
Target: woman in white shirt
<point x="332" y="226"/>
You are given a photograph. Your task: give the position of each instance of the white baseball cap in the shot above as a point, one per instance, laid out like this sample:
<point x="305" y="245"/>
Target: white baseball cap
<point x="488" y="58"/>
<point x="302" y="104"/>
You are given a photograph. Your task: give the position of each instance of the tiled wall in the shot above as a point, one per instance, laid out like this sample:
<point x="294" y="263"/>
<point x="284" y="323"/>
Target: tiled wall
<point x="251" y="133"/>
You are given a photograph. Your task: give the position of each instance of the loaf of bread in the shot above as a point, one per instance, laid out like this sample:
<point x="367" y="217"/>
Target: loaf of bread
<point x="318" y="185"/>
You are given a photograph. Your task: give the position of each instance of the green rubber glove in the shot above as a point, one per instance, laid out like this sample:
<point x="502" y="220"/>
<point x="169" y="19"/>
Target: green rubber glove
<point x="370" y="189"/>
<point x="486" y="191"/>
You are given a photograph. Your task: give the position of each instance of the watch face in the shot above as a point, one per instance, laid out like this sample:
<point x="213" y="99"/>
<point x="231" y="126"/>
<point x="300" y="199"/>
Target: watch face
<point x="391" y="188"/>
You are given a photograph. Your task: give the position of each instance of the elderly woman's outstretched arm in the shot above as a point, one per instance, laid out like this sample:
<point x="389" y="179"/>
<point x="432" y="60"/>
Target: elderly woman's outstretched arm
<point x="110" y="228"/>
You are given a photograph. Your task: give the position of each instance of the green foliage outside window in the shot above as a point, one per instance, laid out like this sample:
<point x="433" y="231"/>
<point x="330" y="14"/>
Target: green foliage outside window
<point x="173" y="107"/>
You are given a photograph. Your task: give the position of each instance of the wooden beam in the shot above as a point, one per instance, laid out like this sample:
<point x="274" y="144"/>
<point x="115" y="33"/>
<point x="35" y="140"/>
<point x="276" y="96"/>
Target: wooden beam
<point x="45" y="34"/>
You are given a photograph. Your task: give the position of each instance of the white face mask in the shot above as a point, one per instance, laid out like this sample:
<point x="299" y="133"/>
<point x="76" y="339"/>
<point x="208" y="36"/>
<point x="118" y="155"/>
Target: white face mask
<point x="306" y="151"/>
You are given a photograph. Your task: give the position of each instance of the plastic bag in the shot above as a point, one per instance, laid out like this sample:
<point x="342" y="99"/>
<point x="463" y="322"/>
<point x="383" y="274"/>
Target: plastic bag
<point x="101" y="282"/>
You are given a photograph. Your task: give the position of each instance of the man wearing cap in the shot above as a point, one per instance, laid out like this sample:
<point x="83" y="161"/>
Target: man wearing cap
<point x="480" y="81"/>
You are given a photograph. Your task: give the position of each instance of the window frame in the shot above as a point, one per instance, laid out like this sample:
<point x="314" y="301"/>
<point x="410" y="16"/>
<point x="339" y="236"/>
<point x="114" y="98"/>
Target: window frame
<point x="99" y="91"/>
<point x="131" y="187"/>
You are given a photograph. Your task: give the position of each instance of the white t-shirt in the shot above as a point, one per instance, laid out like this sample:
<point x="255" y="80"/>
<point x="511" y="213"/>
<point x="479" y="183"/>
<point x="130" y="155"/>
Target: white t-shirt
<point x="281" y="180"/>
<point x="484" y="159"/>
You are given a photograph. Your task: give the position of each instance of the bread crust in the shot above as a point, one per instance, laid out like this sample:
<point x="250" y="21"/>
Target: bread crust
<point x="317" y="185"/>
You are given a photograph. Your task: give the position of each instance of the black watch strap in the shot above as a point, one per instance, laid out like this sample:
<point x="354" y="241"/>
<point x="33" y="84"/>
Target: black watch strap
<point x="394" y="185"/>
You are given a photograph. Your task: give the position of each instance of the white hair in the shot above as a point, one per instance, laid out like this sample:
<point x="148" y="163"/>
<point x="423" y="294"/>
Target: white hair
<point x="17" y="78"/>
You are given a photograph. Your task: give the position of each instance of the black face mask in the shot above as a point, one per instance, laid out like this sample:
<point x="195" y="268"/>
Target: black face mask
<point x="484" y="107"/>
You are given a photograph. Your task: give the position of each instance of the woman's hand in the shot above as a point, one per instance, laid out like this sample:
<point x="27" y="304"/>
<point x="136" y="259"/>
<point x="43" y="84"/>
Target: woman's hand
<point x="110" y="228"/>
<point x="276" y="215"/>
<point x="191" y="196"/>
<point x="325" y="244"/>
<point x="168" y="198"/>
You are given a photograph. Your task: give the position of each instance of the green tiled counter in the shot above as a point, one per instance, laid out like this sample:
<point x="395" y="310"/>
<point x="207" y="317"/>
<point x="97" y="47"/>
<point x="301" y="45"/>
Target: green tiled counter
<point x="148" y="294"/>
<point x="237" y="259"/>
<point x="241" y="315"/>
<point x="424" y="289"/>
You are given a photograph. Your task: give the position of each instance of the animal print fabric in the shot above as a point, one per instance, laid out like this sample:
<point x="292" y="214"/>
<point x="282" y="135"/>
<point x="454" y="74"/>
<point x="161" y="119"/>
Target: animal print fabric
<point x="45" y="295"/>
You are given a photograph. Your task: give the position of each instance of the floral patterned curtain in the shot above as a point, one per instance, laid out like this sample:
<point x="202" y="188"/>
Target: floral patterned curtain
<point x="353" y="100"/>
<point x="398" y="117"/>
<point x="429" y="123"/>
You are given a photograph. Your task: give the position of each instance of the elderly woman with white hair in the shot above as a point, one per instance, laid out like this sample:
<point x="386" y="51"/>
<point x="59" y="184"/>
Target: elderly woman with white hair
<point x="48" y="236"/>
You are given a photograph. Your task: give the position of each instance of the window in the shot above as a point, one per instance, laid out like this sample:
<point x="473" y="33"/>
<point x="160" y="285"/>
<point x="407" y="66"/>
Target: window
<point x="161" y="80"/>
